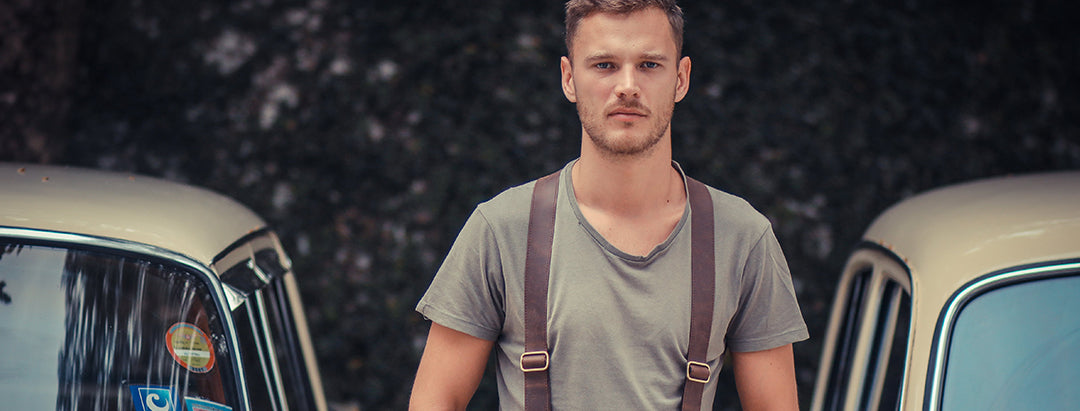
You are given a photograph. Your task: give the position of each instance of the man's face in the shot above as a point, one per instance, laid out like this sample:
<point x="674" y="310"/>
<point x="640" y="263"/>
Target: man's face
<point x="625" y="77"/>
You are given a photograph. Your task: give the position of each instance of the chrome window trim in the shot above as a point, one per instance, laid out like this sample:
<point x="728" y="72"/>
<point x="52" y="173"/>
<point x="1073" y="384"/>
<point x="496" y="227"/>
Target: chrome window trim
<point x="969" y="292"/>
<point x="244" y="251"/>
<point x="307" y="348"/>
<point x="885" y="270"/>
<point x="867" y="329"/>
<point x="214" y="284"/>
<point x="274" y="372"/>
<point x="883" y="267"/>
<point x="892" y="299"/>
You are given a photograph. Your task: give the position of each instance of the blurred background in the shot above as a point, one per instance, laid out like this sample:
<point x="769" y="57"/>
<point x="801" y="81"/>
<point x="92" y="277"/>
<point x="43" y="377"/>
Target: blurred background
<point x="365" y="132"/>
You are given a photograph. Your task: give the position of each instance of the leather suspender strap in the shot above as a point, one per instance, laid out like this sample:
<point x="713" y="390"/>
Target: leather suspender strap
<point x="703" y="291"/>
<point x="536" y="359"/>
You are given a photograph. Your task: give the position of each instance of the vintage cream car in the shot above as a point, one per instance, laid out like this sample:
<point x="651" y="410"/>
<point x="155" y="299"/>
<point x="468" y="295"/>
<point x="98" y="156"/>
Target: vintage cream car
<point x="962" y="298"/>
<point x="122" y="292"/>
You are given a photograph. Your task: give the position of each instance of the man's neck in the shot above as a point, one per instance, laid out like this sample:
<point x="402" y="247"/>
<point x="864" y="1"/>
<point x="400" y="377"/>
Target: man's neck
<point x="628" y="186"/>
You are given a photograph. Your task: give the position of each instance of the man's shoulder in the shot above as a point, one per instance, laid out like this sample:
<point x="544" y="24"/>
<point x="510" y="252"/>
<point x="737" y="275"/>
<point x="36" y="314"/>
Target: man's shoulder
<point x="508" y="207"/>
<point x="731" y="210"/>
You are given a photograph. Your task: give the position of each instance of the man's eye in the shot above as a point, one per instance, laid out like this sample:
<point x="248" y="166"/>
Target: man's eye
<point x="650" y="65"/>
<point x="604" y="66"/>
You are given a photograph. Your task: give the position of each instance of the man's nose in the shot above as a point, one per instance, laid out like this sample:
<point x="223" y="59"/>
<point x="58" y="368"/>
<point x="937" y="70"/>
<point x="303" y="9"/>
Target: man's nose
<point x="627" y="84"/>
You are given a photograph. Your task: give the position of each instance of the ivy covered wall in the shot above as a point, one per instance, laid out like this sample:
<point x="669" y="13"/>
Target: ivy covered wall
<point x="366" y="131"/>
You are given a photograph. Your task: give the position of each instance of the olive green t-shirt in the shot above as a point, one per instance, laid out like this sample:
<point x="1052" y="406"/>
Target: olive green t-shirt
<point x="618" y="324"/>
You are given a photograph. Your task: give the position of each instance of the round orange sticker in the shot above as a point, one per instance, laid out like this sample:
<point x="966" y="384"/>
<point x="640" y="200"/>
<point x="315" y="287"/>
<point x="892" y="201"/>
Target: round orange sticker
<point x="190" y="347"/>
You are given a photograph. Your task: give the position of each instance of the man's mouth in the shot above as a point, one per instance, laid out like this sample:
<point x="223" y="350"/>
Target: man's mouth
<point x="627" y="114"/>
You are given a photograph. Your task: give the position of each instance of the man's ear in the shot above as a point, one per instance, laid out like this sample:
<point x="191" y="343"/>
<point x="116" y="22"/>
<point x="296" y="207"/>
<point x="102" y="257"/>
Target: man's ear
<point x="568" y="88"/>
<point x="683" y="85"/>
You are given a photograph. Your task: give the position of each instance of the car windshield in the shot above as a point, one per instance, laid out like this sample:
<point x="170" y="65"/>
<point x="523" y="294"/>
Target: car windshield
<point x="89" y="330"/>
<point x="1017" y="347"/>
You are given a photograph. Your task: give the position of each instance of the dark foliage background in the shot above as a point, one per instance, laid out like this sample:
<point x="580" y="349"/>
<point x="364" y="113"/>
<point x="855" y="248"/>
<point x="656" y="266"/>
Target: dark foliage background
<point x="365" y="132"/>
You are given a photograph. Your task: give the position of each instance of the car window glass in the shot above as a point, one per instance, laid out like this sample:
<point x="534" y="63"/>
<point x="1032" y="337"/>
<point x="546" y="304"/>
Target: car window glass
<point x="91" y="330"/>
<point x="1016" y="347"/>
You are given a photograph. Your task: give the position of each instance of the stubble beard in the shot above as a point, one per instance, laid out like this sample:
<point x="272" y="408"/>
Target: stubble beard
<point x="627" y="145"/>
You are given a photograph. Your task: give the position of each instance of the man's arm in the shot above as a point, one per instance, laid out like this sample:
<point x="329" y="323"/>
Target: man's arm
<point x="450" y="370"/>
<point x="766" y="379"/>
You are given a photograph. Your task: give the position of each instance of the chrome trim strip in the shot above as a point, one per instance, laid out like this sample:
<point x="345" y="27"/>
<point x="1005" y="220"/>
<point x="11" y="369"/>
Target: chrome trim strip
<point x="262" y="352"/>
<point x="211" y="279"/>
<point x="245" y="254"/>
<point x="271" y="352"/>
<point x="841" y="298"/>
<point x="304" y="335"/>
<point x="961" y="298"/>
<point x="886" y="267"/>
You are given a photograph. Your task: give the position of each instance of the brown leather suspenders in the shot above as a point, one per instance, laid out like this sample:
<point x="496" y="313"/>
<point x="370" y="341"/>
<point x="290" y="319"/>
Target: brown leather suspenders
<point x="702" y="286"/>
<point x="536" y="359"/>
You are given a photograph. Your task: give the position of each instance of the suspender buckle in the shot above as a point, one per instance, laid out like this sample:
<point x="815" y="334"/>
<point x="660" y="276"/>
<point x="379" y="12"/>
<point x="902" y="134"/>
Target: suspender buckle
<point x="698" y="372"/>
<point x="535" y="361"/>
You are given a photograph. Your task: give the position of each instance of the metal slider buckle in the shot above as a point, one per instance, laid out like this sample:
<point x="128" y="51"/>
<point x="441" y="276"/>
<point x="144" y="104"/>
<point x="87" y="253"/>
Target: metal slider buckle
<point x="698" y="372"/>
<point x="534" y="363"/>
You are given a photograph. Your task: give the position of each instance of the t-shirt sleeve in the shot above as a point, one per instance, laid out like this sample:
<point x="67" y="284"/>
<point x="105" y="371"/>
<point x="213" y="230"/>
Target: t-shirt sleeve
<point x="768" y="314"/>
<point x="466" y="293"/>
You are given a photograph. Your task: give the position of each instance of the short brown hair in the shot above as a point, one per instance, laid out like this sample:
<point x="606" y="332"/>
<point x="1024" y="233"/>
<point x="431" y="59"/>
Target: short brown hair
<point x="576" y="10"/>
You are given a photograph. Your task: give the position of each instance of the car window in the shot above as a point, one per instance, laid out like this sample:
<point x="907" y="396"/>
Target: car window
<point x="86" y="329"/>
<point x="1016" y="347"/>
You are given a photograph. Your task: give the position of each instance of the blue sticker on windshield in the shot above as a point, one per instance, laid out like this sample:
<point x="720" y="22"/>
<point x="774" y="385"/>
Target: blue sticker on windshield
<point x="152" y="398"/>
<point x="196" y="404"/>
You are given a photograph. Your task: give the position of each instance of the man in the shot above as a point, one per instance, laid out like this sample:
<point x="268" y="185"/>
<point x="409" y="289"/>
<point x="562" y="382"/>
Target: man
<point x="618" y="311"/>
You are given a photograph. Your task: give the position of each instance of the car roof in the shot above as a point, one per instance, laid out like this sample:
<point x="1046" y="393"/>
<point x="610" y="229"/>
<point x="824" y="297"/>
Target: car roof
<point x="183" y="219"/>
<point x="951" y="235"/>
